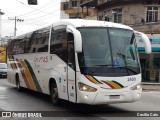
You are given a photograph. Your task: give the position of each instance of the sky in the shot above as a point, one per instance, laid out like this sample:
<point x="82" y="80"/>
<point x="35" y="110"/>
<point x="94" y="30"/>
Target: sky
<point x="34" y="16"/>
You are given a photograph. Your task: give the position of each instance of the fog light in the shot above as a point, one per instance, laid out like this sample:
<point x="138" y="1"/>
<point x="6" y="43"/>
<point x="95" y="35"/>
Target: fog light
<point x="86" y="96"/>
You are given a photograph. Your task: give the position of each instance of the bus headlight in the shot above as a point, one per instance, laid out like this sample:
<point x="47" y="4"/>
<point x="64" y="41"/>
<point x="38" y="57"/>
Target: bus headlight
<point x="136" y="87"/>
<point x="84" y="87"/>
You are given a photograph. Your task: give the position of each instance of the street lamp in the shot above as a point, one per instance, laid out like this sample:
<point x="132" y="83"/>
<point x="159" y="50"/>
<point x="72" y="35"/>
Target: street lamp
<point x="1" y="13"/>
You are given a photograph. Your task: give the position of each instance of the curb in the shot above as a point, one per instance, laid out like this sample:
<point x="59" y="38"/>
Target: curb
<point x="151" y="86"/>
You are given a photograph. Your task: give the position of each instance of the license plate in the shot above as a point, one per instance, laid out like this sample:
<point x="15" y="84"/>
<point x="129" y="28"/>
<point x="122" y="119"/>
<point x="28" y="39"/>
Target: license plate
<point x="114" y="97"/>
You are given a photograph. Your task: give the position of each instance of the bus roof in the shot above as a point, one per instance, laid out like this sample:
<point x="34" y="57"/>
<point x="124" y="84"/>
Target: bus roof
<point x="84" y="23"/>
<point x="88" y="23"/>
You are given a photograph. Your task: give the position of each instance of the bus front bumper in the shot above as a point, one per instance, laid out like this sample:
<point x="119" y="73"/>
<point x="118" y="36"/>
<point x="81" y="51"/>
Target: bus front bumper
<point x="110" y="97"/>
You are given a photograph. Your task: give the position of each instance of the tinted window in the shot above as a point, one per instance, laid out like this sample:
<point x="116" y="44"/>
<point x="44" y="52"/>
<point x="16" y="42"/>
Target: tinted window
<point x="20" y="45"/>
<point x="36" y="41"/>
<point x="16" y="46"/>
<point x="39" y="40"/>
<point x="108" y="52"/>
<point x="10" y="47"/>
<point x="42" y="40"/>
<point x="27" y="40"/>
<point x="71" y="54"/>
<point x="59" y="42"/>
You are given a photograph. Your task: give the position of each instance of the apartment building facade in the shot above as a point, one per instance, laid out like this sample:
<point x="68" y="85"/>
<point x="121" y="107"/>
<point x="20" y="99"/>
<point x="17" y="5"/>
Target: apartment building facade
<point x="74" y="10"/>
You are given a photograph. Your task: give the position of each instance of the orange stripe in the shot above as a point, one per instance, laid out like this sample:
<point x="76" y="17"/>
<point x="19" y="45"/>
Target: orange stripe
<point x="28" y="75"/>
<point x="114" y="84"/>
<point x="91" y="79"/>
<point x="109" y="84"/>
<point x="23" y="74"/>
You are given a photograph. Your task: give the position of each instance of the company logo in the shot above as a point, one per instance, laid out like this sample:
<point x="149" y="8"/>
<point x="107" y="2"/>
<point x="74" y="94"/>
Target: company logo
<point x="6" y="114"/>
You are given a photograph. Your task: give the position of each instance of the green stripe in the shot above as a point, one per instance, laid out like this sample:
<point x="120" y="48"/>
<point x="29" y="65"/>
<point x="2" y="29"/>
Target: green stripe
<point x="33" y="76"/>
<point x="118" y="84"/>
<point x="96" y="80"/>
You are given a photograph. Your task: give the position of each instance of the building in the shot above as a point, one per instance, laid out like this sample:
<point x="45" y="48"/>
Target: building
<point x="74" y="10"/>
<point x="3" y="58"/>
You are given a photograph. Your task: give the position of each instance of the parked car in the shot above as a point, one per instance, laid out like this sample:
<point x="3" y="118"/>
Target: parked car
<point x="3" y="70"/>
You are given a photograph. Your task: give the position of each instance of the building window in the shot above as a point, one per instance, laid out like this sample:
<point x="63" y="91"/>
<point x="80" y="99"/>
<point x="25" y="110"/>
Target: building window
<point x="65" y="5"/>
<point x="152" y="14"/>
<point x="74" y="4"/>
<point x="117" y="13"/>
<point x="107" y="16"/>
<point x="101" y="1"/>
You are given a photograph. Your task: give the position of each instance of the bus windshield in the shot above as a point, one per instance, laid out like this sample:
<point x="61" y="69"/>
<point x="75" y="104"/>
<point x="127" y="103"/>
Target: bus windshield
<point x="108" y="52"/>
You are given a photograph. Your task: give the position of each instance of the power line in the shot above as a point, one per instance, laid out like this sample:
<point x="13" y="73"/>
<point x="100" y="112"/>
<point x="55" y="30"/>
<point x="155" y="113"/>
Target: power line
<point x="43" y="15"/>
<point x="30" y="7"/>
<point x="43" y="18"/>
<point x="35" y="13"/>
<point x="9" y="12"/>
<point x="38" y="9"/>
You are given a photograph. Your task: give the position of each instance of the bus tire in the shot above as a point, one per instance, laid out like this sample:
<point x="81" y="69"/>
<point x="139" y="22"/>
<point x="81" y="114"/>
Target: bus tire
<point x="54" y="94"/>
<point x="18" y="86"/>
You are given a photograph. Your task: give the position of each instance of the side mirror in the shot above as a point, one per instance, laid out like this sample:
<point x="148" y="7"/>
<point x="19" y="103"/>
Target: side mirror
<point x="32" y="2"/>
<point x="146" y="41"/>
<point x="77" y="38"/>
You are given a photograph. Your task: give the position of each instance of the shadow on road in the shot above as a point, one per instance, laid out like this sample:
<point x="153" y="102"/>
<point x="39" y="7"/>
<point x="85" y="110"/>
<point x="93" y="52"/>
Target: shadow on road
<point x="68" y="109"/>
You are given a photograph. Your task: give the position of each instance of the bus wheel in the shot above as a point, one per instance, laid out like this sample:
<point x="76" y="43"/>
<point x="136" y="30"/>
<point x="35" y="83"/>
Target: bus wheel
<point x="54" y="94"/>
<point x="18" y="84"/>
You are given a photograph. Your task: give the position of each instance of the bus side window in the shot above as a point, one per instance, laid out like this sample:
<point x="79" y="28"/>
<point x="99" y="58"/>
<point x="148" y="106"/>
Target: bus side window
<point x="15" y="47"/>
<point x="32" y="42"/>
<point x="38" y="41"/>
<point x="59" y="43"/>
<point x="71" y="55"/>
<point x="27" y="43"/>
<point x="42" y="40"/>
<point x="20" y="44"/>
<point x="11" y="47"/>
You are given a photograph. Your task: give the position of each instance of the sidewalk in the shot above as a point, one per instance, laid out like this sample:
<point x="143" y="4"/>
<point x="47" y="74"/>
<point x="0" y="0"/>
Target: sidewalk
<point x="151" y="86"/>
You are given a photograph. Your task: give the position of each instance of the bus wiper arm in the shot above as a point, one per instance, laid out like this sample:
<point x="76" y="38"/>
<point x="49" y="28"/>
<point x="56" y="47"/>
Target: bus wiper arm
<point x="127" y="68"/>
<point x="125" y="61"/>
<point x="107" y="65"/>
<point x="102" y="66"/>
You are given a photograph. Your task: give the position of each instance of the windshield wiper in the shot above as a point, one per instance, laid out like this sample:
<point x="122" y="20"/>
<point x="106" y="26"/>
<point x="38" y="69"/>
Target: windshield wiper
<point x="107" y="65"/>
<point x="127" y="68"/>
<point x="102" y="66"/>
<point x="125" y="61"/>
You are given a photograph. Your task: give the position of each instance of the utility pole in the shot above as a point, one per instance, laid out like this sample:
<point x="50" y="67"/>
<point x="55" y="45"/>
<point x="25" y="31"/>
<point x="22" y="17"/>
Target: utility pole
<point x="15" y="26"/>
<point x="1" y="13"/>
<point x="15" y="23"/>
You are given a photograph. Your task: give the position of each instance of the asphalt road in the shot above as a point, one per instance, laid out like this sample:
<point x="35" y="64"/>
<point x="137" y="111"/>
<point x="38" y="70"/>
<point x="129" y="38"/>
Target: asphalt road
<point x="12" y="100"/>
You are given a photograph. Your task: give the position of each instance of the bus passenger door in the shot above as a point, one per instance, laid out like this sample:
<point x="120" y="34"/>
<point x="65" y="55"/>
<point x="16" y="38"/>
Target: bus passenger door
<point x="71" y="69"/>
<point x="59" y="59"/>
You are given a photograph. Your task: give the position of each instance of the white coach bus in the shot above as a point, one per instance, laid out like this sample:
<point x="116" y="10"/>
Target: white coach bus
<point x="82" y="61"/>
